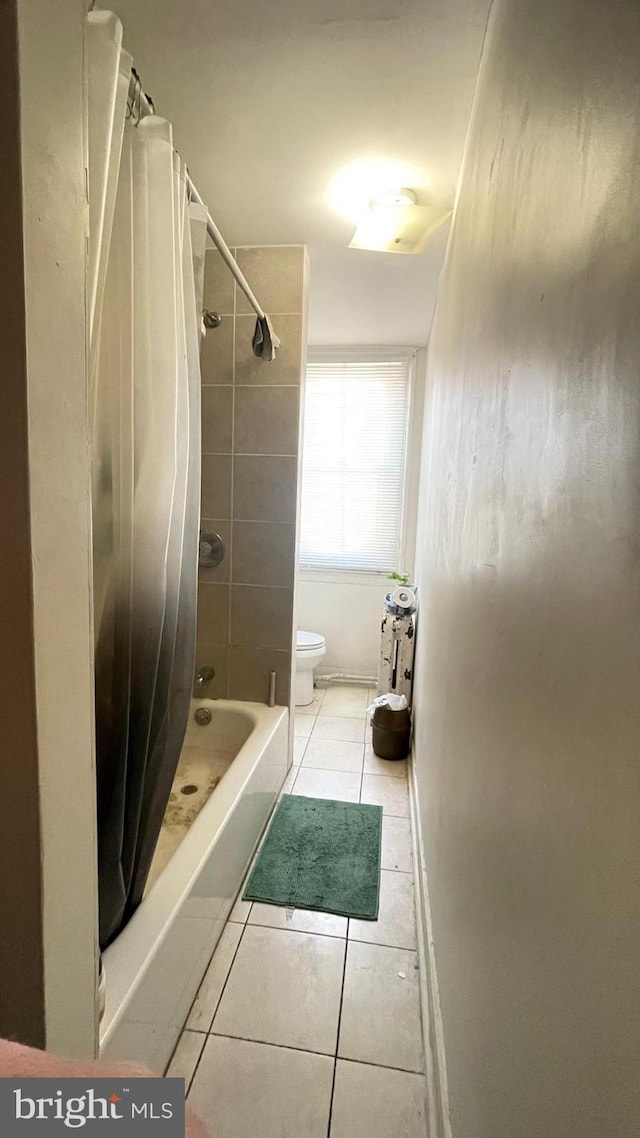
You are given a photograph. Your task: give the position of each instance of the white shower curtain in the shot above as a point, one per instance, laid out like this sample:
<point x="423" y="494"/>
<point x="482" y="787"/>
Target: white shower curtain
<point x="145" y="240"/>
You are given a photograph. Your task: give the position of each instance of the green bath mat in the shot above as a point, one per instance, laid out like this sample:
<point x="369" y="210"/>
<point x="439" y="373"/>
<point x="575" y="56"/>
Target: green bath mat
<point x="320" y="854"/>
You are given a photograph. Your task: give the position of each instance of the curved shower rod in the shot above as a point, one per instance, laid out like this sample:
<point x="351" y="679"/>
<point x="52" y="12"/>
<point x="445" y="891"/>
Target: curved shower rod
<point x="144" y="106"/>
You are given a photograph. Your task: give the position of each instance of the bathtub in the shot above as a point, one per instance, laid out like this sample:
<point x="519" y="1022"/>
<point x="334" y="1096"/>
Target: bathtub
<point x="154" y="968"/>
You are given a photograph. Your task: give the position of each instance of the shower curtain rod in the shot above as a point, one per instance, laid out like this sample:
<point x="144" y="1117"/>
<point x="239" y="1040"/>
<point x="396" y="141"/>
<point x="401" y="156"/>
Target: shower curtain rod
<point x="146" y="107"/>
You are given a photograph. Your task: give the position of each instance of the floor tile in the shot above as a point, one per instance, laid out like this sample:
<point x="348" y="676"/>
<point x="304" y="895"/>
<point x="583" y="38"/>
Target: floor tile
<point x="185" y="1057"/>
<point x="206" y="1002"/>
<point x="240" y="910"/>
<point x="390" y="793"/>
<point x="396" y="844"/>
<point x="343" y="786"/>
<point x="312" y="708"/>
<point x="246" y="1090"/>
<point x="302" y="726"/>
<point x="391" y="769"/>
<point x="396" y="924"/>
<point x="299" y="747"/>
<point x="284" y="988"/>
<point x="344" y="710"/>
<point x="339" y="727"/>
<point x="334" y="755"/>
<point x="348" y="702"/>
<point x="375" y="1102"/>
<point x="380" y="1020"/>
<point x="298" y="920"/>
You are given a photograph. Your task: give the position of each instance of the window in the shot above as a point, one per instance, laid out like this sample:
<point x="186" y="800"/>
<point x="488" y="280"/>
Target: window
<point x="353" y="464"/>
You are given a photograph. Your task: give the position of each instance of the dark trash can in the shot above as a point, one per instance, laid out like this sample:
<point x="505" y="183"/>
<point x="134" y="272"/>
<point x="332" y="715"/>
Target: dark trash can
<point x="391" y="731"/>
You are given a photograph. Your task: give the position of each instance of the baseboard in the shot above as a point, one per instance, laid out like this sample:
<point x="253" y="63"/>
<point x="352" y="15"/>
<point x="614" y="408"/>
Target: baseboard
<point x="439" y="1125"/>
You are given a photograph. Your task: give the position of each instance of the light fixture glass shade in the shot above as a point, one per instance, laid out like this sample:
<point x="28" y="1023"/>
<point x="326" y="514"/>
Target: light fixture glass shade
<point x="398" y="228"/>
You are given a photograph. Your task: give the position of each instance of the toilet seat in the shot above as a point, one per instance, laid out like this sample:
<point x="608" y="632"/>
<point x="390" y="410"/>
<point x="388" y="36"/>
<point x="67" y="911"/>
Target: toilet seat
<point x="309" y="642"/>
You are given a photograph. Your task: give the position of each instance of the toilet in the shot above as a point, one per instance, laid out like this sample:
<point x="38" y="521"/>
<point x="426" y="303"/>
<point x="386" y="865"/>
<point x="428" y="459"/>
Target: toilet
<point x="310" y="650"/>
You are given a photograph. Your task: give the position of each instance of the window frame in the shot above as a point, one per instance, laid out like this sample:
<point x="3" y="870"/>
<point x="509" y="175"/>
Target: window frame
<point x="353" y="353"/>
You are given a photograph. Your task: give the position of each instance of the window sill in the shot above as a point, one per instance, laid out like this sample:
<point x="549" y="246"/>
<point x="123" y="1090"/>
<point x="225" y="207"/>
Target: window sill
<point x="346" y="577"/>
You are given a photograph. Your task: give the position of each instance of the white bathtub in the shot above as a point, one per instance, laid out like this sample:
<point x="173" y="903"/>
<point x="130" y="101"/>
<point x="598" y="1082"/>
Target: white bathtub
<point x="154" y="968"/>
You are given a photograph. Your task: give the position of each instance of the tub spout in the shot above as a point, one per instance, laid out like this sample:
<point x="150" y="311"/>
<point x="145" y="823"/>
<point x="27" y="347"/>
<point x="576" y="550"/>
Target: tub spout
<point x="203" y="676"/>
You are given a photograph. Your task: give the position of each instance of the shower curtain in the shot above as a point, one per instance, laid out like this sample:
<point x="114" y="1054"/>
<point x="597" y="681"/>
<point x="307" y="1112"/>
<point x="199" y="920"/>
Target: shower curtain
<point x="146" y="254"/>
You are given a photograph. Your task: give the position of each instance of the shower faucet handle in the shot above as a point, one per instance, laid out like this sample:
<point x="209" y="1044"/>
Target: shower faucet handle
<point x="203" y="676"/>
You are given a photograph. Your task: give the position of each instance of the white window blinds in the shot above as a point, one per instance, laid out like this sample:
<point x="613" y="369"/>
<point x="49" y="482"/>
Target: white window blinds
<point x="355" y="427"/>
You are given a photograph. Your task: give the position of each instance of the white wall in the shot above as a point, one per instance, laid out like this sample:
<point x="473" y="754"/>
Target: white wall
<point x="346" y="611"/>
<point x="360" y="297"/>
<point x="527" y="709"/>
<point x="51" y="62"/>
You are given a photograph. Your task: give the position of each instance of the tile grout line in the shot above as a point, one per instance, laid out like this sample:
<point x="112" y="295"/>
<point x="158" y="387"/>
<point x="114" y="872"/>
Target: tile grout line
<point x="335" y="1061"/>
<point x="270" y="1043"/>
<point x="380" y="944"/>
<point x="173" y="1053"/>
<point x="381" y="1066"/>
<point x="208" y="1032"/>
<point x="187" y="1089"/>
<point x="233" y="960"/>
<point x="333" y="1085"/>
<point x="307" y="1051"/>
<point x="303" y="932"/>
<point x="222" y="991"/>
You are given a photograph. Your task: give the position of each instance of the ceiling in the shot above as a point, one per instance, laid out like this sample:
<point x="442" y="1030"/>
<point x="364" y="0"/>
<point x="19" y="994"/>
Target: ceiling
<point x="269" y="102"/>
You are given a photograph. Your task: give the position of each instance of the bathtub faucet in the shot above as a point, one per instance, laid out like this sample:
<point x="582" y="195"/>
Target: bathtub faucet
<point x="202" y="677"/>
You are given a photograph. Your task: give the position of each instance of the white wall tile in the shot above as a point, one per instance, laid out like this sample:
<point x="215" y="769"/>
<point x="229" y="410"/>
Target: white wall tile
<point x="339" y="727"/>
<point x="252" y="1090"/>
<point x="298" y="920"/>
<point x="284" y="988"/>
<point x="396" y="844"/>
<point x="396" y="923"/>
<point x="380" y="1020"/>
<point x="343" y="786"/>
<point x="333" y="754"/>
<point x="390" y="793"/>
<point x="375" y="1102"/>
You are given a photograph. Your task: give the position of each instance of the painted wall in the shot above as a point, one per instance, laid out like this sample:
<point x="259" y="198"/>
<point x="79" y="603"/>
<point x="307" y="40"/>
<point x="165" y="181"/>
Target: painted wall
<point x="250" y="444"/>
<point x="346" y="610"/>
<point x="47" y="809"/>
<point x="360" y="297"/>
<point x="527" y="724"/>
<point x="21" y="974"/>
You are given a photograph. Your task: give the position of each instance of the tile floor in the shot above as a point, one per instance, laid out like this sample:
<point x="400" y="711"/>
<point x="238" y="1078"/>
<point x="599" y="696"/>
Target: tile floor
<point x="308" y="1023"/>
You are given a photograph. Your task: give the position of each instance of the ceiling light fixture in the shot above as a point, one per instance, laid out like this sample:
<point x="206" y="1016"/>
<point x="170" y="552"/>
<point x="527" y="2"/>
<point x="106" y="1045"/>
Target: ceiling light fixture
<point x="357" y="184"/>
<point x="395" y="223"/>
<point x="396" y="198"/>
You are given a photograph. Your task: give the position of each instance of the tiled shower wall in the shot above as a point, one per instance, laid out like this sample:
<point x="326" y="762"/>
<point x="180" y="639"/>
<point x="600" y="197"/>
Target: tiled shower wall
<point x="250" y="444"/>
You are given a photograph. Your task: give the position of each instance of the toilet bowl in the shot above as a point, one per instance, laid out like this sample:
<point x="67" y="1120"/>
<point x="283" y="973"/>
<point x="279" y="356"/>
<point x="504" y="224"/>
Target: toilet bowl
<point x="310" y="650"/>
